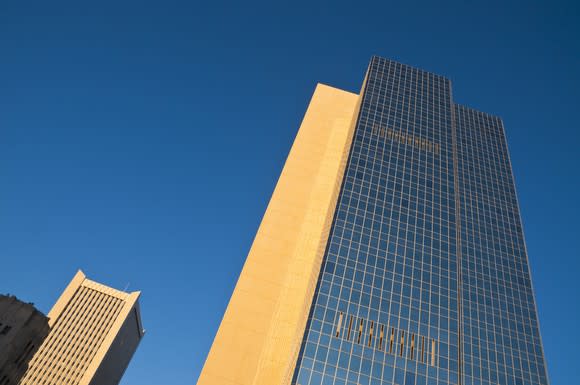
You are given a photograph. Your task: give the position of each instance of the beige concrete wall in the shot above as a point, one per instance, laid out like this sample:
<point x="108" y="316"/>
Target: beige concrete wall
<point x="259" y="337"/>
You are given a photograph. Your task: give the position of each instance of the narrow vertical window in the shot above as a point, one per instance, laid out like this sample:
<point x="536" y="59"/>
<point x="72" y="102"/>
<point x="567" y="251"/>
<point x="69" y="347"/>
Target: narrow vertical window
<point x="381" y="337"/>
<point x="360" y="330"/>
<point x="371" y="334"/>
<point x="392" y="340"/>
<point x="338" y="325"/>
<point x="412" y="345"/>
<point x="433" y="352"/>
<point x="422" y="349"/>
<point x="402" y="343"/>
<point x="349" y="329"/>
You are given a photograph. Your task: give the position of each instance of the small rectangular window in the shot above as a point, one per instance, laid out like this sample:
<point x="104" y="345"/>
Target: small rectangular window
<point x="360" y="330"/>
<point x="433" y="352"/>
<point x="412" y="345"/>
<point x="338" y="324"/>
<point x="381" y="337"/>
<point x="349" y="328"/>
<point x="422" y="349"/>
<point x="371" y="334"/>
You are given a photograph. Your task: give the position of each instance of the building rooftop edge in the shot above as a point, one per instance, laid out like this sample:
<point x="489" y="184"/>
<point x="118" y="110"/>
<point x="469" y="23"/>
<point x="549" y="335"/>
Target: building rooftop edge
<point x="82" y="275"/>
<point x="377" y="57"/>
<point x="108" y="289"/>
<point x="24" y="303"/>
<point x="319" y="84"/>
<point x="463" y="106"/>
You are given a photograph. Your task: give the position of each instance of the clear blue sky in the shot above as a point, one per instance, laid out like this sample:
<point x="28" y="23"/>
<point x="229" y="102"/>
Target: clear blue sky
<point x="140" y="141"/>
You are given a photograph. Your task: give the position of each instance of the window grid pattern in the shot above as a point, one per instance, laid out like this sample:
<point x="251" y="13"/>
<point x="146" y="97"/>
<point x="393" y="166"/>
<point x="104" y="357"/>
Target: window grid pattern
<point x="427" y="240"/>
<point x="501" y="340"/>
<point x="391" y="254"/>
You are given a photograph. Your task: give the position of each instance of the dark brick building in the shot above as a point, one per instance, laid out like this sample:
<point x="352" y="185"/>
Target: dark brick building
<point x="22" y="330"/>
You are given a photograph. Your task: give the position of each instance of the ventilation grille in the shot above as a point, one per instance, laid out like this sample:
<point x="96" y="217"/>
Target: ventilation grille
<point x="386" y="339"/>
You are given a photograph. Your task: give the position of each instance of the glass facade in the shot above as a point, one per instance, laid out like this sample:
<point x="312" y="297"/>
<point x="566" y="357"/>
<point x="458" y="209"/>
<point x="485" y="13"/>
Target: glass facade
<point x="425" y="277"/>
<point x="501" y="340"/>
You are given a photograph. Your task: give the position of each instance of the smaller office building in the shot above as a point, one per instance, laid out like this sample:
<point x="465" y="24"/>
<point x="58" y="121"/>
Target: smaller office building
<point x="95" y="330"/>
<point x="22" y="330"/>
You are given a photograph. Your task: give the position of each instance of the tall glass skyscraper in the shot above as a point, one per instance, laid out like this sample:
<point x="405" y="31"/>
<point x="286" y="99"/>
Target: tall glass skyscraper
<point x="417" y="273"/>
